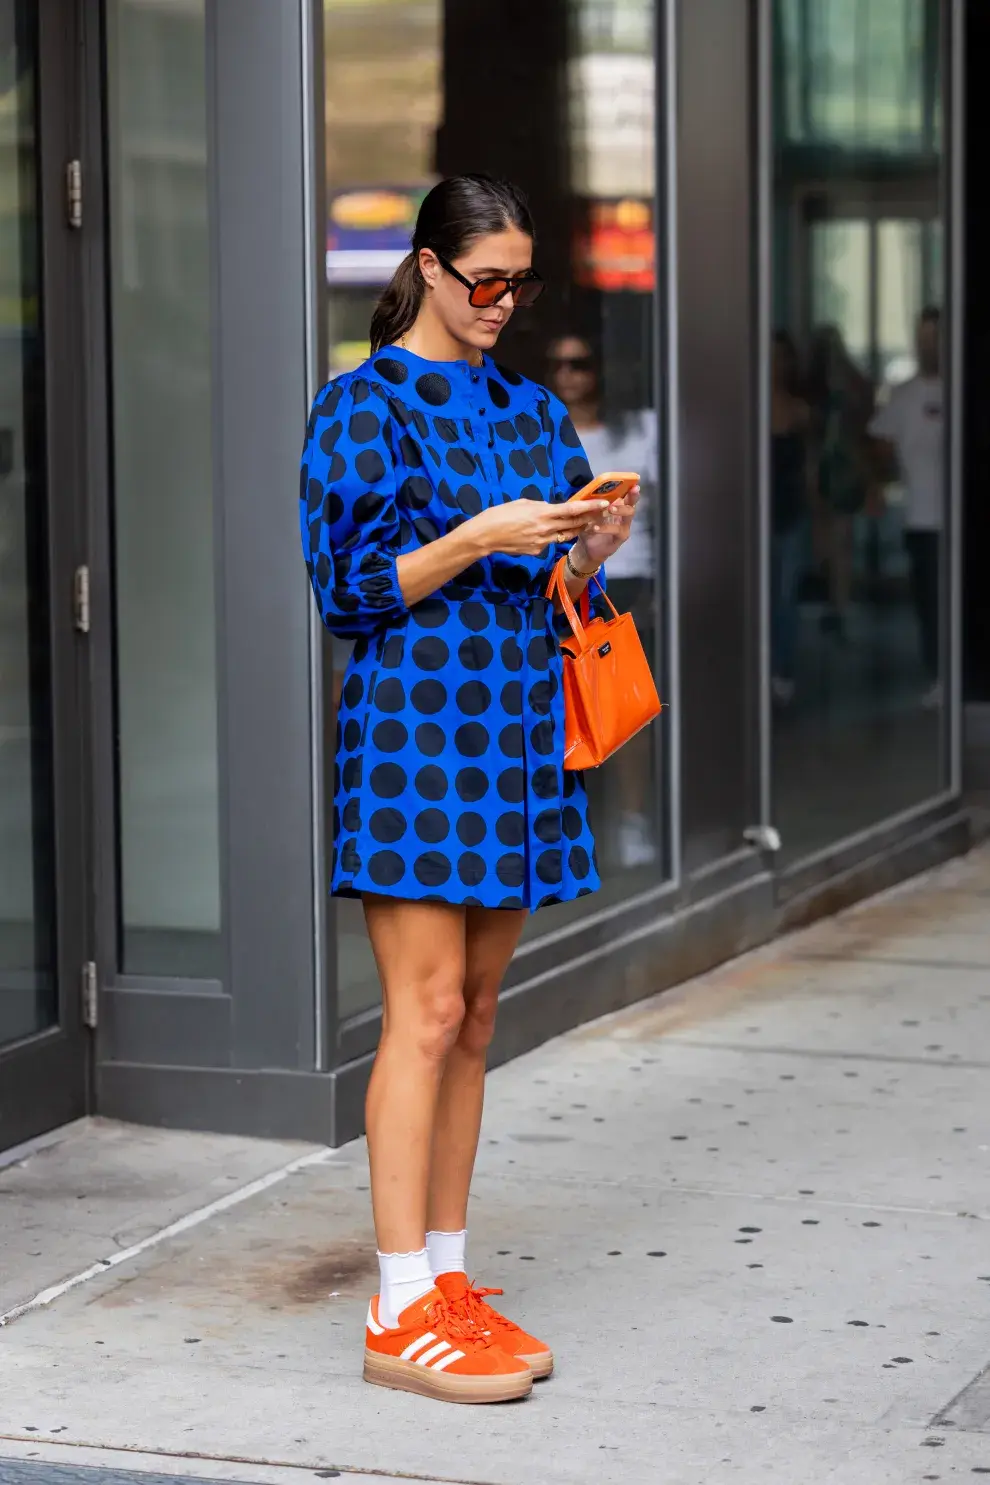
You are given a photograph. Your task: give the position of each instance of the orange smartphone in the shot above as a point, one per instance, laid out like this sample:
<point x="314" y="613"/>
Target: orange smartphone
<point x="611" y="486"/>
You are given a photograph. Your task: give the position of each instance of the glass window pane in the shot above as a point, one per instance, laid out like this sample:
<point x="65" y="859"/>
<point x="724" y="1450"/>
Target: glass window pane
<point x="163" y="488"/>
<point x="403" y="107"/>
<point x="857" y="442"/>
<point x="28" y="999"/>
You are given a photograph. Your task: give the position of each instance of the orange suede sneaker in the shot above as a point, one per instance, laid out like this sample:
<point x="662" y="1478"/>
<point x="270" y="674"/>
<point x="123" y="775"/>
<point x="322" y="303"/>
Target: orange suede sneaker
<point x="438" y="1351"/>
<point x="505" y="1334"/>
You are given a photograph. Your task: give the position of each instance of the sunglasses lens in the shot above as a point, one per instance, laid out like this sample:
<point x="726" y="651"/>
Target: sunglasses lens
<point x="488" y="291"/>
<point x="528" y="292"/>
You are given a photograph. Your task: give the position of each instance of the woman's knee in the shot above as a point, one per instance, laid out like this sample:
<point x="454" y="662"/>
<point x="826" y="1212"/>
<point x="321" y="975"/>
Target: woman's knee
<point x="478" y="1025"/>
<point x="441" y="1014"/>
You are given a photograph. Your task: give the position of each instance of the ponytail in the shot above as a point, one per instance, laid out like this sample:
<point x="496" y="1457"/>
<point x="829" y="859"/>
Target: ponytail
<point x="396" y="310"/>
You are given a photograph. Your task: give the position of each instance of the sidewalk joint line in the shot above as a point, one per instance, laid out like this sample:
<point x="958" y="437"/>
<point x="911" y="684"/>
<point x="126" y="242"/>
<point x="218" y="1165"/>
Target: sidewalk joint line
<point x="183" y="1224"/>
<point x="824" y="1055"/>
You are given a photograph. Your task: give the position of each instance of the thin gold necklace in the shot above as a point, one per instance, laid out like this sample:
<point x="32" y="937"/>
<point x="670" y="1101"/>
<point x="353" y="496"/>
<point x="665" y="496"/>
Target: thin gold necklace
<point x="401" y="342"/>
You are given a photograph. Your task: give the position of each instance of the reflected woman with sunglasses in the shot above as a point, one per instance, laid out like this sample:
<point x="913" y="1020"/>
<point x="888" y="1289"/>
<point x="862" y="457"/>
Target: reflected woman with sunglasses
<point x="433" y="506"/>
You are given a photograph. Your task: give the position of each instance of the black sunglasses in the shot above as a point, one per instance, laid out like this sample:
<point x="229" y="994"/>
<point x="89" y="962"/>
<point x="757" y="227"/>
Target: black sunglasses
<point x="485" y="293"/>
<point x="576" y="363"/>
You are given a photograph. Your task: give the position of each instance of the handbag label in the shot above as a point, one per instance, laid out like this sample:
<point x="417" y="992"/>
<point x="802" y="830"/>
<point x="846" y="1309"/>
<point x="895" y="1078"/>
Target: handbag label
<point x="606" y="649"/>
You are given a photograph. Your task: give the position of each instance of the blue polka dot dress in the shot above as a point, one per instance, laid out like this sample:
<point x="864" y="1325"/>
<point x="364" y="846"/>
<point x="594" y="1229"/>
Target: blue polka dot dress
<point x="449" y="784"/>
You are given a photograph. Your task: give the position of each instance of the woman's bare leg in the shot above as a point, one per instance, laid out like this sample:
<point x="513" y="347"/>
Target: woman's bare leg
<point x="492" y="935"/>
<point x="419" y="948"/>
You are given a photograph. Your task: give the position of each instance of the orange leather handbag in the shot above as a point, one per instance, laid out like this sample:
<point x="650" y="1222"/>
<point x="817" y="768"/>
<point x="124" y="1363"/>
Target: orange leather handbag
<point x="609" y="694"/>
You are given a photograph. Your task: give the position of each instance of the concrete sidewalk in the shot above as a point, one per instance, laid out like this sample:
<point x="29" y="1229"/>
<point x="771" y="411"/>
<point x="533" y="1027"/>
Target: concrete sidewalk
<point x="751" y="1216"/>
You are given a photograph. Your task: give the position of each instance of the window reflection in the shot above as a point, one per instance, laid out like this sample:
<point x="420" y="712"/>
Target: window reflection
<point x="856" y="427"/>
<point x="406" y="103"/>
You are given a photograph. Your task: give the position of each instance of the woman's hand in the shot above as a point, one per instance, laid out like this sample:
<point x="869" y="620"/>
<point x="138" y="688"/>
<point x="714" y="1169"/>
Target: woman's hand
<point x="606" y="535"/>
<point x="525" y="528"/>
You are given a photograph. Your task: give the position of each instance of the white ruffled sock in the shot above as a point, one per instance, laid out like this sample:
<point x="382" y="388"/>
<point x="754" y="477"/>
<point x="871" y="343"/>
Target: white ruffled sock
<point x="446" y="1250"/>
<point x="405" y="1277"/>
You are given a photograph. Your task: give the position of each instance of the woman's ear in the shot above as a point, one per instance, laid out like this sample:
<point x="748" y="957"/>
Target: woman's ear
<point x="429" y="267"/>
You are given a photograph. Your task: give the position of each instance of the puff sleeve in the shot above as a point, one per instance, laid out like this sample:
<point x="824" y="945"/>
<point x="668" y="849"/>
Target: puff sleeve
<point x="349" y="522"/>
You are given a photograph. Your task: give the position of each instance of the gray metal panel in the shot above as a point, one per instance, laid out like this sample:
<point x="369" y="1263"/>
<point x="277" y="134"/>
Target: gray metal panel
<point x="168" y="1026"/>
<point x="719" y="595"/>
<point x="260" y="389"/>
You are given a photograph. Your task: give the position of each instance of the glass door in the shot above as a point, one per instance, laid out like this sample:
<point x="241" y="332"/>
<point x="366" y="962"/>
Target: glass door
<point x="42" y="1060"/>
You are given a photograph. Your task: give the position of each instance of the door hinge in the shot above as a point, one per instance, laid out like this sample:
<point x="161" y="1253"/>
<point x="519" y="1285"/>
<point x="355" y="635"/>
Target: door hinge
<point x="89" y="1001"/>
<point x="80" y="599"/>
<point x="73" y="193"/>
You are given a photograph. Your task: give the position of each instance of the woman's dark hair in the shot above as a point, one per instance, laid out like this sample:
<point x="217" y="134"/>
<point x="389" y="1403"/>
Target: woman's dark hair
<point x="783" y="341"/>
<point x="453" y="215"/>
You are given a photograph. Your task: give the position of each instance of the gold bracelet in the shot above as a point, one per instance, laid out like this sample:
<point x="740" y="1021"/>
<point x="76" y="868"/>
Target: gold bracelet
<point x="582" y="576"/>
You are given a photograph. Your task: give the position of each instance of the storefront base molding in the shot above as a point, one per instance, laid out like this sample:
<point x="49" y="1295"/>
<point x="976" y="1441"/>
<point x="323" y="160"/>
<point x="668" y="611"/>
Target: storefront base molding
<point x="613" y="962"/>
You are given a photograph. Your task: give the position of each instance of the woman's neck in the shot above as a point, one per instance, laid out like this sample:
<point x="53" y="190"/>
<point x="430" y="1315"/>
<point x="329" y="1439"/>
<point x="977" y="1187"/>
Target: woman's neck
<point x="433" y="341"/>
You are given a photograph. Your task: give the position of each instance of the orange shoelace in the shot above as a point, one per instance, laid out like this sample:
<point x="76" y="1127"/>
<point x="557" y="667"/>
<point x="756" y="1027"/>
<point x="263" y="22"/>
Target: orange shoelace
<point x="482" y="1315"/>
<point x="457" y="1322"/>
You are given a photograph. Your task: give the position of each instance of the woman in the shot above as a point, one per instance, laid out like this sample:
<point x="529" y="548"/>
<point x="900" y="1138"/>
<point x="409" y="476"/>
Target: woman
<point x="626" y="441"/>
<point x="790" y="482"/>
<point x="432" y="512"/>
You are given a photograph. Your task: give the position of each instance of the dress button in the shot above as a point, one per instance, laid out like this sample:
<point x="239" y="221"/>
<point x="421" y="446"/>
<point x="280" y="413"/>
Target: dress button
<point x="475" y="377"/>
<point x="482" y="411"/>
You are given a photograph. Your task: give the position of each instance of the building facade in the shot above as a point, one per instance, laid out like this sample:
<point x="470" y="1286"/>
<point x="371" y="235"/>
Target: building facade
<point x="751" y="218"/>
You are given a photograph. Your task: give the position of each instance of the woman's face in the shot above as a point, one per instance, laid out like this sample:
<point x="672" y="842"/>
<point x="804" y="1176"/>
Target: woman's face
<point x="572" y="370"/>
<point x="501" y="254"/>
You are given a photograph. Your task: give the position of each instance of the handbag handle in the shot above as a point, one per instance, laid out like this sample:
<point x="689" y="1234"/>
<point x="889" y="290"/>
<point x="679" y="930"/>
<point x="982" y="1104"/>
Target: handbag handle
<point x="558" y="587"/>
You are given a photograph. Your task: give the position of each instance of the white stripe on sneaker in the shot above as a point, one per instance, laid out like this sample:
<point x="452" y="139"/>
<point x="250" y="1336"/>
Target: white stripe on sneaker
<point x="373" y="1325"/>
<point x="438" y="1366"/>
<point x="434" y="1351"/>
<point x="414" y="1346"/>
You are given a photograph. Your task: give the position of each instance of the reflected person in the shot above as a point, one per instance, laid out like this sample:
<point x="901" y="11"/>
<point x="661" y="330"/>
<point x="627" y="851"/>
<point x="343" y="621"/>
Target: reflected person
<point x="911" y="425"/>
<point x="626" y="440"/>
<point x="790" y="475"/>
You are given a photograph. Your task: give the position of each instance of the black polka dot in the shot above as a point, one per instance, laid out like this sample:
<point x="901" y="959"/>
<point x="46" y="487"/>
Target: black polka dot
<point x="330" y="437"/>
<point x="390" y="695"/>
<point x="432" y="826"/>
<point x="386" y="826"/>
<point x="510" y="740"/>
<point x="392" y="370"/>
<point x="431" y="782"/>
<point x="546" y="827"/>
<point x="363" y="427"/>
<point x="512" y="785"/>
<point x="352" y="816"/>
<point x="433" y="388"/>
<point x="567" y="433"/>
<point x="577" y="472"/>
<point x="528" y="427"/>
<point x="544" y="782"/>
<point x="506" y="431"/>
<point x="475" y="653"/>
<point x="548" y="867"/>
<point x="420" y="423"/>
<point x="471" y="869"/>
<point x="541" y="694"/>
<point x="469" y="500"/>
<point x="511" y="869"/>
<point x="370" y="466"/>
<point x="530" y="492"/>
<point x="541" y="737"/>
<point x="352" y="772"/>
<point x="507" y="617"/>
<point x="387" y="780"/>
<point x="538" y="652"/>
<point x="571" y="821"/>
<point x="473" y="698"/>
<point x="541" y="459"/>
<point x="426" y="529"/>
<point x="430" y="739"/>
<point x="471" y="829"/>
<point x="570" y="783"/>
<point x="432" y="869"/>
<point x="511" y="828"/>
<point x="430" y="613"/>
<point x="352" y="734"/>
<point x="471" y="740"/>
<point x="578" y="863"/>
<point x="471" y="784"/>
<point x="429" y="697"/>
<point x="511" y="698"/>
<point x="446" y="430"/>
<point x="353" y="691"/>
<point x="390" y="736"/>
<point x="350" y="859"/>
<point x="386" y="868"/>
<point x="521" y="462"/>
<point x="410" y="451"/>
<point x="461" y="461"/>
<point x="393" y="652"/>
<point x="415" y="492"/>
<point x="430" y="653"/>
<point x="474" y="616"/>
<point x="498" y="394"/>
<point x="512" y="655"/>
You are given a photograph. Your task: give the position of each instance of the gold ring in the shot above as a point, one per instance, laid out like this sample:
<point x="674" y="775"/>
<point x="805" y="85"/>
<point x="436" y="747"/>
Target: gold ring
<point x="558" y="536"/>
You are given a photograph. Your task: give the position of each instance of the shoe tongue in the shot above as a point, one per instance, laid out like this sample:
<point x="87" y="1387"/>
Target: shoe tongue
<point x="452" y="1286"/>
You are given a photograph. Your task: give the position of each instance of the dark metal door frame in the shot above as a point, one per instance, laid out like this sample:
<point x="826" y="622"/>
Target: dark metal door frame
<point x="45" y="1079"/>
